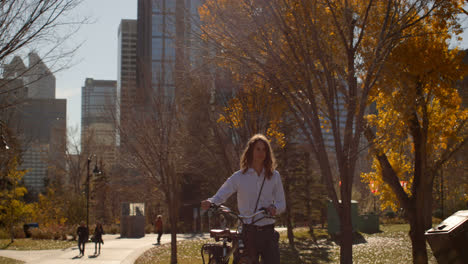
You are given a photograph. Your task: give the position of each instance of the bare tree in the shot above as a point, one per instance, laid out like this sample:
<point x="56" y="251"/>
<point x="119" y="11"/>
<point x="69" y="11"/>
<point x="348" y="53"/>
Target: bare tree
<point x="31" y="25"/>
<point x="151" y="142"/>
<point x="150" y="135"/>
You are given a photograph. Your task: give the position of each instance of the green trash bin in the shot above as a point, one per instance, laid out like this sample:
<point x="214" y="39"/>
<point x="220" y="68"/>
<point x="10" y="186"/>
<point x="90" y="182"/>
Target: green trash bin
<point x="333" y="220"/>
<point x="369" y="223"/>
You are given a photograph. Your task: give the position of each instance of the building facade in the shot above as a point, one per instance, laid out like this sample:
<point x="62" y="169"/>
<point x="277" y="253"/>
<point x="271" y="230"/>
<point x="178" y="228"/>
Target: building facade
<point x="156" y="44"/>
<point x="98" y="119"/>
<point x="43" y="123"/>
<point x="37" y="77"/>
<point x="126" y="72"/>
<point x="37" y="118"/>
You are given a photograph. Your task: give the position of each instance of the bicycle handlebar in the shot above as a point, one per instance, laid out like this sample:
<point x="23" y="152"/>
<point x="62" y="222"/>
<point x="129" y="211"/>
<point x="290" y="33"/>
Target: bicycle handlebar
<point x="227" y="210"/>
<point x="264" y="211"/>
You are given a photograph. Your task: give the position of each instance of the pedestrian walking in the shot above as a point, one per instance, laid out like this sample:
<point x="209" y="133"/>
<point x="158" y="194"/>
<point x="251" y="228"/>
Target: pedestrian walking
<point x="83" y="234"/>
<point x="159" y="228"/>
<point x="97" y="238"/>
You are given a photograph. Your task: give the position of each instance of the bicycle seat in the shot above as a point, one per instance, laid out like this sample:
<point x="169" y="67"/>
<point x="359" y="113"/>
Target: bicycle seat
<point x="220" y="232"/>
<point x="223" y="233"/>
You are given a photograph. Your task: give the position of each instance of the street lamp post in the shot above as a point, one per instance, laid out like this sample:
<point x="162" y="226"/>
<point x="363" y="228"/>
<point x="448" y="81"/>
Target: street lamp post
<point x="96" y="171"/>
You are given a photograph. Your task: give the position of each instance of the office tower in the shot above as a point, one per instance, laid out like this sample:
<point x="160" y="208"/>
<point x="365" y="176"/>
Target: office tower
<point x="126" y="72"/>
<point x="37" y="77"/>
<point x="98" y="132"/>
<point x="41" y="81"/>
<point x="156" y="51"/>
<point x="37" y="119"/>
<point x="43" y="125"/>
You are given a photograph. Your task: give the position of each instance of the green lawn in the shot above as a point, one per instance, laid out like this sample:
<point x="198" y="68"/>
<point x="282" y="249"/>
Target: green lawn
<point x="35" y="244"/>
<point x="392" y="245"/>
<point x="4" y="260"/>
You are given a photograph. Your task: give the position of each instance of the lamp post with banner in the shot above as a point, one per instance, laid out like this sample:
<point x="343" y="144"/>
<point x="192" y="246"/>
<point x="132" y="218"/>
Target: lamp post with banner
<point x="96" y="171"/>
<point x="373" y="189"/>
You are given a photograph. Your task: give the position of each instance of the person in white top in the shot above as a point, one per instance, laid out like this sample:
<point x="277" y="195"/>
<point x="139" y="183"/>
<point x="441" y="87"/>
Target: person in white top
<point x="258" y="185"/>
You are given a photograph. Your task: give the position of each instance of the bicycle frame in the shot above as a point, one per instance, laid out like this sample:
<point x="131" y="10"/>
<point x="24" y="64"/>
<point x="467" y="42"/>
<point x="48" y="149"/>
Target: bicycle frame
<point x="221" y="253"/>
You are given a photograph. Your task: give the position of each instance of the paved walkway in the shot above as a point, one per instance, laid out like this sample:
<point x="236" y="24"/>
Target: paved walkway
<point x="115" y="250"/>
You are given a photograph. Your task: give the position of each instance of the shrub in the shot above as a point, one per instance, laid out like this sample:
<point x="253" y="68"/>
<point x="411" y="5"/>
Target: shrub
<point x="112" y="229"/>
<point x="18" y="232"/>
<point x="4" y="234"/>
<point x="71" y="231"/>
<point x="393" y="220"/>
<point x="40" y="233"/>
<point x="55" y="232"/>
<point x="390" y="214"/>
<point x="149" y="229"/>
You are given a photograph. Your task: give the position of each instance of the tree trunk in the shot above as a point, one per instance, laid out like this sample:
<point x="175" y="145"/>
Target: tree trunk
<point x="289" y="225"/>
<point x="287" y="194"/>
<point x="420" y="220"/>
<point x="173" y="220"/>
<point x="12" y="233"/>
<point x="346" y="232"/>
<point x="418" y="240"/>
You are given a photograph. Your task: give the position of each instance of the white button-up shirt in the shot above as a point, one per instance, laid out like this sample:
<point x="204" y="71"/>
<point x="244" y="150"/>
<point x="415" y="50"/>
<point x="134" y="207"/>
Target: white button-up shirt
<point x="247" y="187"/>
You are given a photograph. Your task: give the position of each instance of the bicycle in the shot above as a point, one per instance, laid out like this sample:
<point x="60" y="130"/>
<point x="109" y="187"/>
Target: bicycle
<point x="221" y="253"/>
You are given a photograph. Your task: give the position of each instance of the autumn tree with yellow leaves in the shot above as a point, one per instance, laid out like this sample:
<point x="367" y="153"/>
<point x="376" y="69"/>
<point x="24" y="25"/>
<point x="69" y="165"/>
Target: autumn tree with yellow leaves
<point x="419" y="123"/>
<point x="13" y="209"/>
<point x="254" y="109"/>
<point x="323" y="58"/>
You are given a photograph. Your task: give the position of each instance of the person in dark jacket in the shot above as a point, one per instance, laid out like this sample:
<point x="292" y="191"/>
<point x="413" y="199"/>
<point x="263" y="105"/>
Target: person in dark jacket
<point x="83" y="234"/>
<point x="159" y="227"/>
<point x="98" y="231"/>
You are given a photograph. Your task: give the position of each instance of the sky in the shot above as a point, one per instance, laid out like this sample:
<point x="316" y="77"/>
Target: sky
<point x="97" y="57"/>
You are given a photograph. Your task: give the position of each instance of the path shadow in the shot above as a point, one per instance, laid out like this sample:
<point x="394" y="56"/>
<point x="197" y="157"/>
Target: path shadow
<point x="358" y="238"/>
<point x="196" y="235"/>
<point x="305" y="251"/>
<point x="77" y="257"/>
<point x="372" y="232"/>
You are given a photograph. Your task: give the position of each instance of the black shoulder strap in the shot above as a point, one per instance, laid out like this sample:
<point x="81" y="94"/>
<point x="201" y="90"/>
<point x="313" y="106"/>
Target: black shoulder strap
<point x="258" y="198"/>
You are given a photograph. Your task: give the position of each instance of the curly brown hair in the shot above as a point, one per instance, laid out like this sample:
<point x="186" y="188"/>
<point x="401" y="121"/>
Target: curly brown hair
<point x="247" y="156"/>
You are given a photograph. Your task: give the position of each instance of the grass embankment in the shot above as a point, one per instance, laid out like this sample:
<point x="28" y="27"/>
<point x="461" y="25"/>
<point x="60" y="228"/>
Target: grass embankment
<point x="35" y="244"/>
<point x="392" y="245"/>
<point x="4" y="260"/>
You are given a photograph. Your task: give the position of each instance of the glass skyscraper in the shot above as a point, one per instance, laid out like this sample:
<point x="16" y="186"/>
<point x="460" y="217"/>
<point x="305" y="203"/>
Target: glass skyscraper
<point x="38" y="119"/>
<point x="156" y="51"/>
<point x="98" y="132"/>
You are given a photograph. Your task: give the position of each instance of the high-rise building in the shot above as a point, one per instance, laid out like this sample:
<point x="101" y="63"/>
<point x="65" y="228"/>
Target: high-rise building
<point x="156" y="51"/>
<point x="42" y="124"/>
<point x="37" y="77"/>
<point x="126" y="72"/>
<point x="98" y="131"/>
<point x="37" y="118"/>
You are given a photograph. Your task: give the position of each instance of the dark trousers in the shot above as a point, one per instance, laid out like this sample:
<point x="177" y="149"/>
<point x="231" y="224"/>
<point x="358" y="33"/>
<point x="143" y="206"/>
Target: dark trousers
<point x="159" y="236"/>
<point x="262" y="242"/>
<point x="81" y="245"/>
<point x="96" y="247"/>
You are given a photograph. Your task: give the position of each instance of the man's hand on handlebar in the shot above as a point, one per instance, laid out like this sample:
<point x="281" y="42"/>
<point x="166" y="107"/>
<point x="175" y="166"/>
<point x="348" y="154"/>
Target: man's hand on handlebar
<point x="205" y="205"/>
<point x="271" y="210"/>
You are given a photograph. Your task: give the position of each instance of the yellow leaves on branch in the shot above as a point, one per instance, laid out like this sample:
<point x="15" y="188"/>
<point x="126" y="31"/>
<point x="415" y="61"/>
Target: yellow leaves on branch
<point x="232" y="114"/>
<point x="256" y="107"/>
<point x="275" y="133"/>
<point x="418" y="88"/>
<point x="403" y="168"/>
<point x="11" y="200"/>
